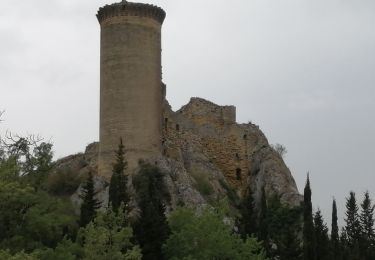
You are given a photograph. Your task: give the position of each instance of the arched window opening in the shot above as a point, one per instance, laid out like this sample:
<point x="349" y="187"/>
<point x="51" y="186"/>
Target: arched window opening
<point x="177" y="127"/>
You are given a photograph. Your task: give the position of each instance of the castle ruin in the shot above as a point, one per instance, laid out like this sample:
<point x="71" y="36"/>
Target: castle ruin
<point x="199" y="144"/>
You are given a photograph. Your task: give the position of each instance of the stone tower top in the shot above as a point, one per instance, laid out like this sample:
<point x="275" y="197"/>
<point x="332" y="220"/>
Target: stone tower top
<point x="125" y="8"/>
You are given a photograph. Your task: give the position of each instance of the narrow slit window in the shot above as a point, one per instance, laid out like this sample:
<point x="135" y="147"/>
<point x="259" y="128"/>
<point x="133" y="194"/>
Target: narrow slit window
<point x="166" y="123"/>
<point x="238" y="174"/>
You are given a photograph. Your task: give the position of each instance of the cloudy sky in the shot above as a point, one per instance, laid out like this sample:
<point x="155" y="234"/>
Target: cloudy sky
<point x="304" y="70"/>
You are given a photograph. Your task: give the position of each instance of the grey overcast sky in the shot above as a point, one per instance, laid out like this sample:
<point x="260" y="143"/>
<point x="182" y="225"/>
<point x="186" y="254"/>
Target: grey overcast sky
<point x="303" y="70"/>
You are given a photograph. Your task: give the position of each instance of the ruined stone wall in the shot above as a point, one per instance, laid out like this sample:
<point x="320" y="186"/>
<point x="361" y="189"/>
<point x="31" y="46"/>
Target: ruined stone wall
<point x="130" y="82"/>
<point x="201" y="111"/>
<point x="213" y="128"/>
<point x="204" y="157"/>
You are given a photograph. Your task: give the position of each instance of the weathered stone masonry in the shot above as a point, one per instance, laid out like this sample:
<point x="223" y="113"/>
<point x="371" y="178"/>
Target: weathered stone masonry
<point x="214" y="129"/>
<point x="130" y="82"/>
<point x="201" y="136"/>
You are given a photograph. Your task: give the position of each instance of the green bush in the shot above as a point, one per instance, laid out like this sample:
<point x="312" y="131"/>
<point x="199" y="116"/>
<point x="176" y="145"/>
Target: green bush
<point x="5" y="255"/>
<point x="204" y="235"/>
<point x="64" y="182"/>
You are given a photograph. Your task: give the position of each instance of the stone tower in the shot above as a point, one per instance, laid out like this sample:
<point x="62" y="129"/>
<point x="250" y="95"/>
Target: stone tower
<point x="130" y="82"/>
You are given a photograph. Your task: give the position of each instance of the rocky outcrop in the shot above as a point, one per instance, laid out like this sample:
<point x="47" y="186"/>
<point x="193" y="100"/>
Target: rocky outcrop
<point x="240" y="154"/>
<point x="207" y="156"/>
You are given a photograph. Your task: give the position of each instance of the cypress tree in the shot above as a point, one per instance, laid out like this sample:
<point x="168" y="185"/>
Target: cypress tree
<point x="367" y="226"/>
<point x="117" y="188"/>
<point x="90" y="204"/>
<point x="247" y="223"/>
<point x="309" y="245"/>
<point x="151" y="230"/>
<point x="263" y="220"/>
<point x="321" y="234"/>
<point x="335" y="244"/>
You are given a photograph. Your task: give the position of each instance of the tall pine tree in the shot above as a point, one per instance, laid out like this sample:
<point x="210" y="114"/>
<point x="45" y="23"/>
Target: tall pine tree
<point x="352" y="227"/>
<point x="151" y="230"/>
<point x="118" y="186"/>
<point x="335" y="243"/>
<point x="367" y="226"/>
<point x="344" y="250"/>
<point x="321" y="235"/>
<point x="90" y="204"/>
<point x="309" y="244"/>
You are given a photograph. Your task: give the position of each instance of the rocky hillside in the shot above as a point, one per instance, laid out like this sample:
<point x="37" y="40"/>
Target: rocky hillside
<point x="206" y="155"/>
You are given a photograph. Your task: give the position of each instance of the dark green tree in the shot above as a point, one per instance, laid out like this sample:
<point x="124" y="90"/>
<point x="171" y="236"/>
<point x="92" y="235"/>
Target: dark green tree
<point x="352" y="223"/>
<point x="39" y="165"/>
<point x="335" y="242"/>
<point x="43" y="156"/>
<point x="15" y="201"/>
<point x="90" y="204"/>
<point x="321" y="235"/>
<point x="108" y="237"/>
<point x="352" y="227"/>
<point x="204" y="235"/>
<point x="118" y="185"/>
<point x="263" y="220"/>
<point x="30" y="220"/>
<point x="284" y="226"/>
<point x="309" y="244"/>
<point x="247" y="224"/>
<point x="151" y="230"/>
<point x="367" y="226"/>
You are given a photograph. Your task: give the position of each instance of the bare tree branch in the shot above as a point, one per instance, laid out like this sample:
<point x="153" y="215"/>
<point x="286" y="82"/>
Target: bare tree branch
<point x="16" y="144"/>
<point x="280" y="149"/>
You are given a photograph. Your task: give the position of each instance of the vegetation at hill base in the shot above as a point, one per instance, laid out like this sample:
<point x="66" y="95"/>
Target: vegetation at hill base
<point x="38" y="221"/>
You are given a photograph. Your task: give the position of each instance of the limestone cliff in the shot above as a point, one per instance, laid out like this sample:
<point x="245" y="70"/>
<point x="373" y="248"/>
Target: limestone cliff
<point x="207" y="155"/>
<point x="207" y="140"/>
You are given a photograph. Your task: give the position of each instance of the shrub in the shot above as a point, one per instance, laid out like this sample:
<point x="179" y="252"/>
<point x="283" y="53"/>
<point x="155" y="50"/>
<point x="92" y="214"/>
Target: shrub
<point x="64" y="182"/>
<point x="204" y="235"/>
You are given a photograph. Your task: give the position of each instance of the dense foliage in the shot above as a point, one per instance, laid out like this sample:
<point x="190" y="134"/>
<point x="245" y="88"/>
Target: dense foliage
<point x="30" y="218"/>
<point x="109" y="237"/>
<point x="38" y="221"/>
<point x="89" y="204"/>
<point x="204" y="235"/>
<point x="151" y="229"/>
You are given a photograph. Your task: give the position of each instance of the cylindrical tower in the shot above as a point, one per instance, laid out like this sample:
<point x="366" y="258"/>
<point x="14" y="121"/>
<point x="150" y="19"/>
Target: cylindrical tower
<point x="130" y="82"/>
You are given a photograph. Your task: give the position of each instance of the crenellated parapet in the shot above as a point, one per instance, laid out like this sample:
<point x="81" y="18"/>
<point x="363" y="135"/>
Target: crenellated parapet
<point x="125" y="8"/>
